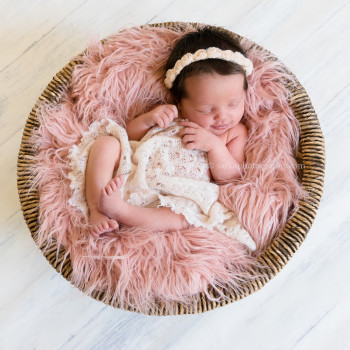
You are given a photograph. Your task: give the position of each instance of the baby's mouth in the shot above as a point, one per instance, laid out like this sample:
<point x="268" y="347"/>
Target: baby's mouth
<point x="220" y="127"/>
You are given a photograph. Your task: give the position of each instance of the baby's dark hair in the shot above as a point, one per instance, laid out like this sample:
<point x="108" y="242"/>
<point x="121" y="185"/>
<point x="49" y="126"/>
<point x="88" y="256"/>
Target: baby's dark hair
<point x="204" y="38"/>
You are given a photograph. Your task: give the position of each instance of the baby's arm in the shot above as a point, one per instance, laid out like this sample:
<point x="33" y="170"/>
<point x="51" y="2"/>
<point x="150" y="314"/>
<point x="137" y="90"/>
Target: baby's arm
<point x="162" y="116"/>
<point x="225" y="153"/>
<point x="225" y="162"/>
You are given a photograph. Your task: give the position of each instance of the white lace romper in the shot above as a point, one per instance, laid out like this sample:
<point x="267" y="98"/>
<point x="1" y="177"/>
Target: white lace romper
<point x="159" y="171"/>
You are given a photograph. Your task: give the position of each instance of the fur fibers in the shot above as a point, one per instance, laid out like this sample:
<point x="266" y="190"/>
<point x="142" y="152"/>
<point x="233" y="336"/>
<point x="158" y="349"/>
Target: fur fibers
<point x="135" y="267"/>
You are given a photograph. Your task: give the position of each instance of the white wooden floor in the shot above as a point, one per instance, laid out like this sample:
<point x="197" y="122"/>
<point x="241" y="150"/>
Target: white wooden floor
<point x="307" y="306"/>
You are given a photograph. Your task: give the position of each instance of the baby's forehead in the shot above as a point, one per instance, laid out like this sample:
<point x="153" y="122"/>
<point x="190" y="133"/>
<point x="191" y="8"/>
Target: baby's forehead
<point x="206" y="87"/>
<point x="207" y="80"/>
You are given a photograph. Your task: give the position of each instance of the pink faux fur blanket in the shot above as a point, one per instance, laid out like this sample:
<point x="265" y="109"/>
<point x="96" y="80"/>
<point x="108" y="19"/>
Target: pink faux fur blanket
<point x="120" y="80"/>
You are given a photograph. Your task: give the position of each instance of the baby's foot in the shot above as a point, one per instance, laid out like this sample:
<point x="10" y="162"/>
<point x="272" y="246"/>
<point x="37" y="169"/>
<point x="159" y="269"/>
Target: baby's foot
<point x="101" y="223"/>
<point x="111" y="202"/>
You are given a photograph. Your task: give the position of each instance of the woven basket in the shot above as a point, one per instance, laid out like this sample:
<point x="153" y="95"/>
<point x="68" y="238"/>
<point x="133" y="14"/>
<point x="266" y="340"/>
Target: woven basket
<point x="311" y="155"/>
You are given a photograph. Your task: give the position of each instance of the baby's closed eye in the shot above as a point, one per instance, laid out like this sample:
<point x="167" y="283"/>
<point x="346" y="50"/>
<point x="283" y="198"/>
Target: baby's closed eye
<point x="204" y="111"/>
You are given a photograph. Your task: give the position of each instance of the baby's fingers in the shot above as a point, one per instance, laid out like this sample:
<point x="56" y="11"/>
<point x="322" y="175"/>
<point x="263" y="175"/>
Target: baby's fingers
<point x="165" y="119"/>
<point x="187" y="131"/>
<point x="193" y="145"/>
<point x="160" y="121"/>
<point x="188" y="138"/>
<point x="188" y="124"/>
<point x="170" y="113"/>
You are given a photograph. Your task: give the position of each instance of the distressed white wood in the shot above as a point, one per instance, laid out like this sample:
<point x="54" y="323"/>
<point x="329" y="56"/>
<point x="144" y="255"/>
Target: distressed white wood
<point x="305" y="307"/>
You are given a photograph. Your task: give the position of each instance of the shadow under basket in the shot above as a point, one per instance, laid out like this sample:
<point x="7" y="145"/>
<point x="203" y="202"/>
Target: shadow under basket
<point x="311" y="155"/>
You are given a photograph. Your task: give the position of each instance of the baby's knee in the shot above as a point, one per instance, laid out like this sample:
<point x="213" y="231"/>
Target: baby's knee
<point x="108" y="145"/>
<point x="105" y="148"/>
<point x="107" y="141"/>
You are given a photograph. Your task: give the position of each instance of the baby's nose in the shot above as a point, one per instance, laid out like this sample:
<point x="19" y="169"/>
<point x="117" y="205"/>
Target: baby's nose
<point x="220" y="115"/>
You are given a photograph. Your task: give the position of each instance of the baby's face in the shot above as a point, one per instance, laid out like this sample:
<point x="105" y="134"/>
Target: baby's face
<point x="215" y="102"/>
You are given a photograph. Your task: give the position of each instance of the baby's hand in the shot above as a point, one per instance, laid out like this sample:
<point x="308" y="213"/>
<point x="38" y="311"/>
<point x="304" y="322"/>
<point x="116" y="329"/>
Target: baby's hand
<point x="162" y="116"/>
<point x="196" y="137"/>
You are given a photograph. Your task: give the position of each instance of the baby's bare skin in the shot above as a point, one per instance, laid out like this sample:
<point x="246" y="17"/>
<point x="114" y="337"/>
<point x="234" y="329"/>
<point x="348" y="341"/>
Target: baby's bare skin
<point x="103" y="156"/>
<point x="112" y="204"/>
<point x="213" y="110"/>
<point x="103" y="160"/>
<point x="101" y="223"/>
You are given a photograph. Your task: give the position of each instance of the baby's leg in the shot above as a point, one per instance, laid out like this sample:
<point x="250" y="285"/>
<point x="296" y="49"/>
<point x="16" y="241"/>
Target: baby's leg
<point x="160" y="219"/>
<point x="103" y="160"/>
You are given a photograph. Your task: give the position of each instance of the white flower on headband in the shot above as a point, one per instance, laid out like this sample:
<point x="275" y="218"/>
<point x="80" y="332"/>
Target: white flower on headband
<point x="202" y="54"/>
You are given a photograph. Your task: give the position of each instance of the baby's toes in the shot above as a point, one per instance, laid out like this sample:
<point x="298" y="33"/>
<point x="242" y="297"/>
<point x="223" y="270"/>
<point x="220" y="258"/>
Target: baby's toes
<point x="113" y="185"/>
<point x="103" y="192"/>
<point x="119" y="181"/>
<point x="113" y="224"/>
<point x="95" y="231"/>
<point x="105" y="226"/>
<point x="99" y="228"/>
<point x="107" y="190"/>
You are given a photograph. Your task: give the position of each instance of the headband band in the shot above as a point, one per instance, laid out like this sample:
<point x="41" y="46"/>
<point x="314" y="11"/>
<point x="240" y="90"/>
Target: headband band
<point x="210" y="53"/>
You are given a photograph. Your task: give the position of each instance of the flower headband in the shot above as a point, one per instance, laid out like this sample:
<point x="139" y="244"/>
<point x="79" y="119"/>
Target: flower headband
<point x="199" y="55"/>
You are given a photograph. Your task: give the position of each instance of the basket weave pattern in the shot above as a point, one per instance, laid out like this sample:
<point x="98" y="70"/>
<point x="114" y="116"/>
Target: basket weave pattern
<point x="311" y="156"/>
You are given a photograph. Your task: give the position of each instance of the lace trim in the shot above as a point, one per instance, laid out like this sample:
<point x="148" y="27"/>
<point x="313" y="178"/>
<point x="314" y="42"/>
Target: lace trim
<point x="159" y="171"/>
<point x="78" y="156"/>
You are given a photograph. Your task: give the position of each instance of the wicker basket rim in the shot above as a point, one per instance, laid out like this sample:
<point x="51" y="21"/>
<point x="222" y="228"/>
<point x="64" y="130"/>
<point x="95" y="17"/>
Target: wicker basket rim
<point x="276" y="256"/>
